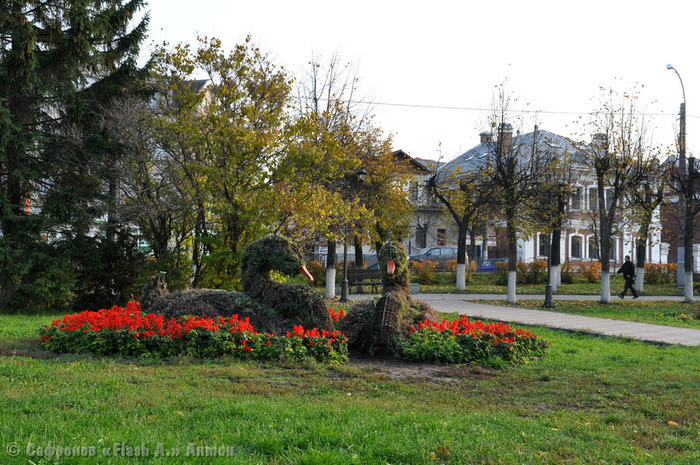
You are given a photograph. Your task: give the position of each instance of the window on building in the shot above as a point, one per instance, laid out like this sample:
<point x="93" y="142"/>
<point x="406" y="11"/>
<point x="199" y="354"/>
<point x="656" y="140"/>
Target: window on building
<point x="414" y="193"/>
<point x="576" y="199"/>
<point x="593" y="199"/>
<point x="613" y="249"/>
<point x="592" y="248"/>
<point x="544" y="245"/>
<point x="608" y="199"/>
<point x="421" y="234"/>
<point x="441" y="237"/>
<point x="576" y="247"/>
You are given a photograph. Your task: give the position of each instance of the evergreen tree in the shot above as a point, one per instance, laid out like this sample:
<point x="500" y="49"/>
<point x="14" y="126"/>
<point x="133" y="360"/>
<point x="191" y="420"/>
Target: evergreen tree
<point x="58" y="60"/>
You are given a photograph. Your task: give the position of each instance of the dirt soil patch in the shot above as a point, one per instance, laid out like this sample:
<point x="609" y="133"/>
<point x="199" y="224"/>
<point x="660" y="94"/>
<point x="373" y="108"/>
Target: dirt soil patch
<point x="426" y="372"/>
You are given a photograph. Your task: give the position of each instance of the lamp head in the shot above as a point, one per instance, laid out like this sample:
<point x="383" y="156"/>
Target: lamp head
<point x="669" y="67"/>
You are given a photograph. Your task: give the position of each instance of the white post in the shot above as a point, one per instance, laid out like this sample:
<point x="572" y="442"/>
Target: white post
<point x="512" y="275"/>
<point x="556" y="277"/>
<point x="605" y="287"/>
<point x="688" y="287"/>
<point x="330" y="283"/>
<point x="461" y="276"/>
<point x="639" y="280"/>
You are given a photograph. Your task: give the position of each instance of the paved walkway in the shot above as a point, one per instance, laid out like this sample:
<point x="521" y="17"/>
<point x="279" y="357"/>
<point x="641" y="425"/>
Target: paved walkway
<point x="657" y="334"/>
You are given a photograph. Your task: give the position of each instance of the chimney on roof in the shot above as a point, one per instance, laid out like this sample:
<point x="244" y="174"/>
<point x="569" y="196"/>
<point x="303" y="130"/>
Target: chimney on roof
<point x="486" y="137"/>
<point x="600" y="141"/>
<point x="600" y="138"/>
<point x="505" y="136"/>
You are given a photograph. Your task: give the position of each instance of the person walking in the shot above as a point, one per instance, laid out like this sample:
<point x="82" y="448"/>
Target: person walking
<point x="627" y="270"/>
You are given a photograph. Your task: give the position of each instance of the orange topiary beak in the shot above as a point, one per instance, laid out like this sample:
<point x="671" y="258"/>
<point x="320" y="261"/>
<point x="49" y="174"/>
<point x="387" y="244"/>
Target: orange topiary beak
<point x="305" y="272"/>
<point x="390" y="267"/>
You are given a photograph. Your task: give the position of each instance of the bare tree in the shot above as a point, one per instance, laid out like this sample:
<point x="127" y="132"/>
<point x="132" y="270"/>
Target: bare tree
<point x="150" y="186"/>
<point x="553" y="192"/>
<point x="618" y="157"/>
<point x="512" y="165"/>
<point x="464" y="195"/>
<point x="687" y="187"/>
<point x="645" y="201"/>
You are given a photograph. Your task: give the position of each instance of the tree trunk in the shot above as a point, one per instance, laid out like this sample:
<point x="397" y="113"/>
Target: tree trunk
<point x="605" y="286"/>
<point x="461" y="256"/>
<point x="199" y="231"/>
<point x="555" y="260"/>
<point x="606" y="218"/>
<point x="112" y="221"/>
<point x="512" y="254"/>
<point x="330" y="270"/>
<point x="641" y="253"/>
<point x="604" y="263"/>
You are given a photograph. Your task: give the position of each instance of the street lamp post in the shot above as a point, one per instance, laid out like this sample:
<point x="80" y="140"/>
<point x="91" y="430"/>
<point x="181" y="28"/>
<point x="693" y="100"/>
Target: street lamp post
<point x="359" y="177"/>
<point x="344" y="290"/>
<point x="548" y="303"/>
<point x="680" y="270"/>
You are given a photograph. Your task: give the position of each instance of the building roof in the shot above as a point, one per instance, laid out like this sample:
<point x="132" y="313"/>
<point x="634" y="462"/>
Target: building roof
<point x="199" y="84"/>
<point x="416" y="164"/>
<point x="429" y="164"/>
<point x="539" y="140"/>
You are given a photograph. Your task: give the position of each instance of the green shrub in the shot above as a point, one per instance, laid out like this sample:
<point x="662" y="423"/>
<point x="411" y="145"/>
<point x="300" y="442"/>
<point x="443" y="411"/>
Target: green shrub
<point x="106" y="272"/>
<point x="567" y="273"/>
<point x="521" y="268"/>
<point x="538" y="271"/>
<point x="468" y="270"/>
<point x="451" y="266"/>
<point x="590" y="271"/>
<point x="671" y="272"/>
<point x="424" y="271"/>
<point x="318" y="271"/>
<point x="660" y="273"/>
<point x="653" y="273"/>
<point x="35" y="275"/>
<point x="532" y="273"/>
<point x="501" y="273"/>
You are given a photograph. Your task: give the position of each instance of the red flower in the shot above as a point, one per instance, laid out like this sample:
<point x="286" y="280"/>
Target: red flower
<point x="335" y="316"/>
<point x="140" y="326"/>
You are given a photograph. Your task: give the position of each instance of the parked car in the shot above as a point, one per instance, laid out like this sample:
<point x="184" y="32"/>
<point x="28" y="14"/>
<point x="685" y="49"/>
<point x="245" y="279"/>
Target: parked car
<point x="441" y="255"/>
<point x="489" y="264"/>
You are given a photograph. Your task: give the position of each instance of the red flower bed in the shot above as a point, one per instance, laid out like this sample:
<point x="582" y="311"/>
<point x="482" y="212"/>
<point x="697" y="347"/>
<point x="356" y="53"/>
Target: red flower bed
<point x="462" y="341"/>
<point x="464" y="326"/>
<point x="128" y="332"/>
<point x="336" y="316"/>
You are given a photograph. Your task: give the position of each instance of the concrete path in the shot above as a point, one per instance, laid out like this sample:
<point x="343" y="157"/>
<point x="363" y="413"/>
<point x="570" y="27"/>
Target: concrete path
<point x="464" y="305"/>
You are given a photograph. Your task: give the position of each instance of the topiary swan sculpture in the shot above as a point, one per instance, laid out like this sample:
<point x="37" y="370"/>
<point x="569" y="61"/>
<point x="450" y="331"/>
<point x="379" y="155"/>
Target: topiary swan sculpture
<point x="377" y="327"/>
<point x="271" y="306"/>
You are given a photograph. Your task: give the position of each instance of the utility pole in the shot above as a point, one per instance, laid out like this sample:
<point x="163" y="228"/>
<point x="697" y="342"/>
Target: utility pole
<point x="681" y="267"/>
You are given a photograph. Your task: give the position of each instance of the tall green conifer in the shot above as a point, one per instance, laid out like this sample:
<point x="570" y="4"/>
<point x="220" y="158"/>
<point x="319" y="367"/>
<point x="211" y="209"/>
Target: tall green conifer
<point x="59" y="60"/>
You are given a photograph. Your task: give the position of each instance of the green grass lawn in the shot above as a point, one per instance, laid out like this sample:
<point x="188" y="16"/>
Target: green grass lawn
<point x="660" y="312"/>
<point x="485" y="283"/>
<point x="591" y="400"/>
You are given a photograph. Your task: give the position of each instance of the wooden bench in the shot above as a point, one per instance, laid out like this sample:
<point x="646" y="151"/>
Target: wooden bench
<point x="356" y="277"/>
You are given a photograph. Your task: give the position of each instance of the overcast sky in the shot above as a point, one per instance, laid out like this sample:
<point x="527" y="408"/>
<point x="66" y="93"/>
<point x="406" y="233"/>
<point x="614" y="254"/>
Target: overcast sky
<point x="431" y="67"/>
